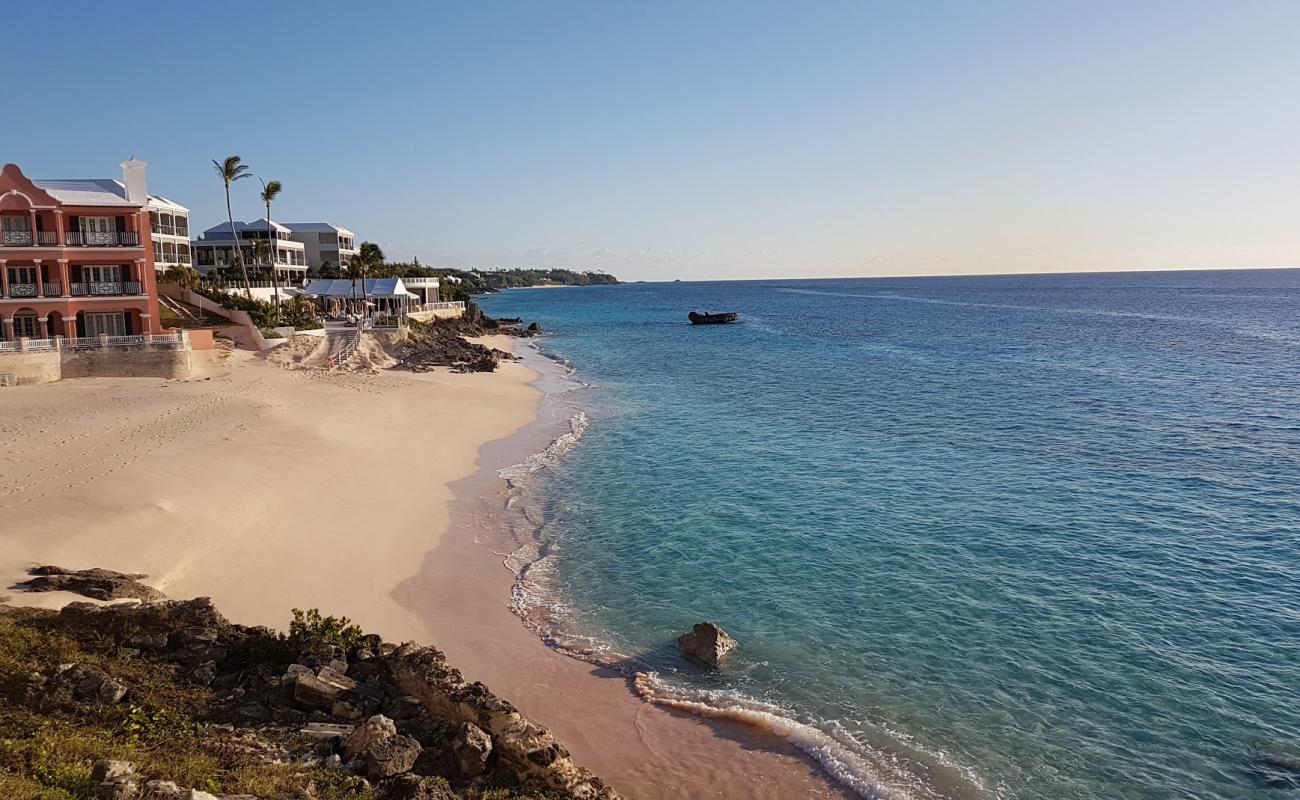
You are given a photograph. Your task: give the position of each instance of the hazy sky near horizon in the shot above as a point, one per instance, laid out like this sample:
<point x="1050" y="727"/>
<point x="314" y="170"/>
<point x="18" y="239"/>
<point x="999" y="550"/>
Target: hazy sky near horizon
<point x="698" y="140"/>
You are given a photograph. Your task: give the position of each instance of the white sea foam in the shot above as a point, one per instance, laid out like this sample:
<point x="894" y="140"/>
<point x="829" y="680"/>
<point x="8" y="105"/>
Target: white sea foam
<point x="869" y="772"/>
<point x="551" y="454"/>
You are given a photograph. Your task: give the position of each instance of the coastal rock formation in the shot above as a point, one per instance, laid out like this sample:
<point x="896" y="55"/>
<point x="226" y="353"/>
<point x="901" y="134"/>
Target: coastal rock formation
<point x="439" y="344"/>
<point x="396" y="719"/>
<point x="99" y="584"/>
<point x="706" y="643"/>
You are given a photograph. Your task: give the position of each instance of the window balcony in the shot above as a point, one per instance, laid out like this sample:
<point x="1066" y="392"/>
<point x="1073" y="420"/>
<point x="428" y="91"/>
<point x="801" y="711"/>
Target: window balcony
<point x="103" y="239"/>
<point x="22" y="290"/>
<point x="105" y="288"/>
<point x="18" y="239"/>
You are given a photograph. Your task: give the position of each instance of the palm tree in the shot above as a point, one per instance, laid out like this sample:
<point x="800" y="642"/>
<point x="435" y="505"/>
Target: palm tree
<point x="262" y="250"/>
<point x="357" y="269"/>
<point x="270" y="191"/>
<point x="232" y="169"/>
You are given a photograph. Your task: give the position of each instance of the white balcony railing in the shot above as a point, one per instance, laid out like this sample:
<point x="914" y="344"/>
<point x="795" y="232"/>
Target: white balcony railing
<point x="164" y="340"/>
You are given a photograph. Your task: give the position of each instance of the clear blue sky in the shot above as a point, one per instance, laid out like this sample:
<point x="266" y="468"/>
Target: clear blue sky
<point x="697" y="140"/>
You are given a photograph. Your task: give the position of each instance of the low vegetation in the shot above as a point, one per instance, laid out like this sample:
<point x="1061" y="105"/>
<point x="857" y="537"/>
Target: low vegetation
<point x="72" y="695"/>
<point x="295" y="311"/>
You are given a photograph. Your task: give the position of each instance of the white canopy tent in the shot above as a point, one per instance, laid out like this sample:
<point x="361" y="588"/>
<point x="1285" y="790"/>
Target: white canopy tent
<point x="386" y="296"/>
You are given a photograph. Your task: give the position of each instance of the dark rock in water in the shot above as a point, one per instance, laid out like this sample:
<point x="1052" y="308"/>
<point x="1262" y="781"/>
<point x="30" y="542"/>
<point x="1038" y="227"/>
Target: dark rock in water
<point x="99" y="584"/>
<point x="706" y="643"/>
<point x="534" y="328"/>
<point x="1276" y="765"/>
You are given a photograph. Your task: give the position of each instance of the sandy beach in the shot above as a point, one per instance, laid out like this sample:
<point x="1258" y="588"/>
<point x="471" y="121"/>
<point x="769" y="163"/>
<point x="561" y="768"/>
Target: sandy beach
<point x="269" y="489"/>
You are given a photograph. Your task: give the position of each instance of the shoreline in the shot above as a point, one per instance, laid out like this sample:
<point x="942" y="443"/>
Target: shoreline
<point x="369" y="496"/>
<point x="646" y="750"/>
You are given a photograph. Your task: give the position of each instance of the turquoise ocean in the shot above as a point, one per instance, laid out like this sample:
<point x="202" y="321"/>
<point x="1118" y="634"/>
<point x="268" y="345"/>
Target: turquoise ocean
<point x="1027" y="537"/>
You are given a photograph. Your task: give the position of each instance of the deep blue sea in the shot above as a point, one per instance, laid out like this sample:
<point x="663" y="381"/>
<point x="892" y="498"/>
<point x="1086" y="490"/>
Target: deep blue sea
<point x="1026" y="537"/>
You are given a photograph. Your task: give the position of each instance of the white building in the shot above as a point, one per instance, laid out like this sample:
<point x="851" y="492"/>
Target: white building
<point x="426" y="289"/>
<point x="215" y="251"/>
<point x="325" y="243"/>
<point x="170" y="223"/>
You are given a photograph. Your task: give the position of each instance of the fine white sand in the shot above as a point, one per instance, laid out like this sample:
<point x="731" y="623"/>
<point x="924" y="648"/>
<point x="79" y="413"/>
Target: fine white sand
<point x="266" y="489"/>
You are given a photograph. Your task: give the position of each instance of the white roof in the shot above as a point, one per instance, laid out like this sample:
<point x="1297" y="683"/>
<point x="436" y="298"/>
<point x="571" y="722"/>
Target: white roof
<point x="316" y="227"/>
<point x="222" y="230"/>
<point x="343" y="287"/>
<point x="86" y="192"/>
<point x="163" y="203"/>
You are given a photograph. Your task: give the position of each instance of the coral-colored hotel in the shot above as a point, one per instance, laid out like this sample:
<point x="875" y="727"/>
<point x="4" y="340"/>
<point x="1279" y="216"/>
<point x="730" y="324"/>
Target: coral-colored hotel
<point x="76" y="259"/>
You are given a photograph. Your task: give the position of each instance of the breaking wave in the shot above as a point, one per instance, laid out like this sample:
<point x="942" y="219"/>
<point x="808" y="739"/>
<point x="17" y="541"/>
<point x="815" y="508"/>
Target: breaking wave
<point x="550" y="455"/>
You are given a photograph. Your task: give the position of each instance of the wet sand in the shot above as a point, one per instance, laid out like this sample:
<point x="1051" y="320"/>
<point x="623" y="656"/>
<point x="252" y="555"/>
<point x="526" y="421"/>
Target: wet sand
<point x="647" y="752"/>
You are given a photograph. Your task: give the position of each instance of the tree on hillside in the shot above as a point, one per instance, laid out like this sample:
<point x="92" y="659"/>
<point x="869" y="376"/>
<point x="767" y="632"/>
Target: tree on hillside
<point x="231" y="169"/>
<point x="185" y="278"/>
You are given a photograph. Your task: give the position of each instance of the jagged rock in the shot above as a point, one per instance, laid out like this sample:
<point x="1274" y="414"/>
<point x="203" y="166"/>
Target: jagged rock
<point x="472" y="749"/>
<point x="525" y="752"/>
<point x="89" y="683"/>
<point x="323" y="654"/>
<point x="440" y="344"/>
<point x="435" y="723"/>
<point x="148" y="641"/>
<point x="118" y="789"/>
<point x="326" y="731"/>
<point x="534" y="328"/>
<point x="195" y="794"/>
<point x="374" y="730"/>
<point x="100" y="584"/>
<point x="322" y="689"/>
<point x="706" y="643"/>
<point x="255" y="712"/>
<point x="414" y="787"/>
<point x="204" y="674"/>
<point x="114" y="780"/>
<point x="109" y="769"/>
<point x="194" y="637"/>
<point x="163" y="790"/>
<point x="390" y="757"/>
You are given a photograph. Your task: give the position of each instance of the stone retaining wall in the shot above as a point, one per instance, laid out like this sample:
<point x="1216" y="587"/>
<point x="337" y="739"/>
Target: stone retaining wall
<point x="46" y="366"/>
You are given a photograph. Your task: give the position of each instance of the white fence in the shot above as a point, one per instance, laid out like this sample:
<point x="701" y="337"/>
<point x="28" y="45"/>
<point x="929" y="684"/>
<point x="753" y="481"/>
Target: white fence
<point x="162" y="340"/>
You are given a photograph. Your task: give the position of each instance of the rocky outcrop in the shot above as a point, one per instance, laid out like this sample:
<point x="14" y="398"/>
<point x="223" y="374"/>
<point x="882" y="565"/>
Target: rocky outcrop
<point x="401" y="718"/>
<point x="438" y="345"/>
<point x="706" y="643"/>
<point x="523" y="749"/>
<point x="99" y="584"/>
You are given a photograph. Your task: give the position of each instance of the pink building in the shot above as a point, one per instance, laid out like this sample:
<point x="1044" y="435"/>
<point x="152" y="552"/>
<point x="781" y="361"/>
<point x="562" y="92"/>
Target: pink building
<point x="76" y="258"/>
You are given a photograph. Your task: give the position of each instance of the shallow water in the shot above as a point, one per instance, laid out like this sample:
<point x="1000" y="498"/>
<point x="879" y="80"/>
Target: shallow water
<point x="1029" y="537"/>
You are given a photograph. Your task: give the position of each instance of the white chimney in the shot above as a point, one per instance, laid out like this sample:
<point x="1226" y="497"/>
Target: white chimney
<point x="133" y="177"/>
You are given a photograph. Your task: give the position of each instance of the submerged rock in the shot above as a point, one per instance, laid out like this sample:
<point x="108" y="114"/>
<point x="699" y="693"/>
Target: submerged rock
<point x="706" y="643"/>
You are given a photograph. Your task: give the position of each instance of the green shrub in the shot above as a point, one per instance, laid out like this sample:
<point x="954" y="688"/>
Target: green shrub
<point x="310" y="626"/>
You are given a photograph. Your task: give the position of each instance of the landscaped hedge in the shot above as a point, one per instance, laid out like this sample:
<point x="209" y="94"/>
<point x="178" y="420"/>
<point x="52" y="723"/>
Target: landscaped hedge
<point x="298" y="313"/>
